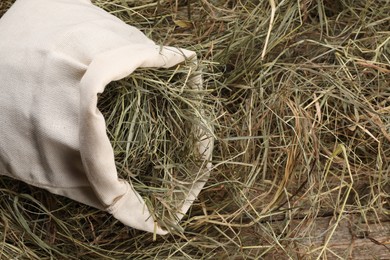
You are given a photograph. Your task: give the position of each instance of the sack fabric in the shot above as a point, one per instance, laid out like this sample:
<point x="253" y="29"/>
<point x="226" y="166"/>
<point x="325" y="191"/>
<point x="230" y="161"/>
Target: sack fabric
<point x="56" y="56"/>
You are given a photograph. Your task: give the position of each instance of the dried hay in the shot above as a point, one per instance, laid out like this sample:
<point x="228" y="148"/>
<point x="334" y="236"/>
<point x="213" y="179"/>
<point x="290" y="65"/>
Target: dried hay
<point x="154" y="118"/>
<point x="302" y="125"/>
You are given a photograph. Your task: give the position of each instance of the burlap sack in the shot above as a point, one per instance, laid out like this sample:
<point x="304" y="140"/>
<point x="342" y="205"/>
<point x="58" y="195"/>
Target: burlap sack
<point x="55" y="57"/>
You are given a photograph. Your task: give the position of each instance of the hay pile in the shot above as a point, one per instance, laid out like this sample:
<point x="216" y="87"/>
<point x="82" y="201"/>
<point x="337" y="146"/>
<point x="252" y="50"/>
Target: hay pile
<point x="300" y="93"/>
<point x="153" y="119"/>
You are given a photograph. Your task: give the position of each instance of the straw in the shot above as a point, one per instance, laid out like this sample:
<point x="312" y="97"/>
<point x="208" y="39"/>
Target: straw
<point x="302" y="138"/>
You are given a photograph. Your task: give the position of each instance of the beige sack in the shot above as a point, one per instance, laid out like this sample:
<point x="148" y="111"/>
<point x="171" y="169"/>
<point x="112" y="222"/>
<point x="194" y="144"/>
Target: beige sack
<point x="55" y="57"/>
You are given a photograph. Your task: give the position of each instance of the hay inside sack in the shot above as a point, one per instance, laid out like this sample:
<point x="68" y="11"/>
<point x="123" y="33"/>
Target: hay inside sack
<point x="301" y="162"/>
<point x="152" y="119"/>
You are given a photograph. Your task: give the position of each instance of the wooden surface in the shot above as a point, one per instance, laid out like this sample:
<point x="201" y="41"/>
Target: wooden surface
<point x="348" y="238"/>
